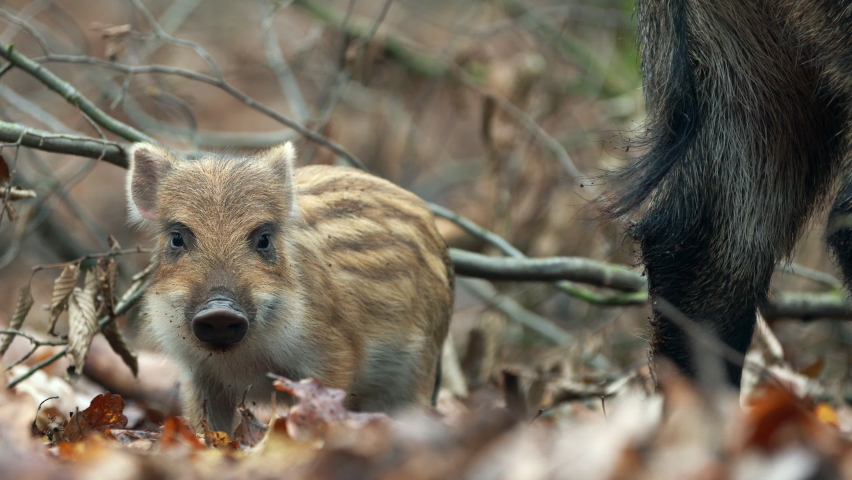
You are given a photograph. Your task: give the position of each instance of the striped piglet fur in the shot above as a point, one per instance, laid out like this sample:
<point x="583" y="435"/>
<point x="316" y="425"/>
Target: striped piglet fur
<point x="324" y="272"/>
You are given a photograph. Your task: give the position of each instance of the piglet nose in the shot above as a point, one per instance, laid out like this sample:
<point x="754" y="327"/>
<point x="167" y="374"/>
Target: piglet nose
<point x="220" y="323"/>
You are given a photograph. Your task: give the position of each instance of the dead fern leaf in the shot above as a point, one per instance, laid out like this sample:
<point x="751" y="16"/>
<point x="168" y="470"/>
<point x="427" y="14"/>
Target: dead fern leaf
<point x="82" y="324"/>
<point x="120" y="346"/>
<point x="25" y="302"/>
<point x="62" y="288"/>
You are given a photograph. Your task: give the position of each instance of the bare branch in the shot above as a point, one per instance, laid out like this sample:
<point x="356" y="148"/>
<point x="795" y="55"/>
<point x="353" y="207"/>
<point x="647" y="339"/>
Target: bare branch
<point x="808" y="306"/>
<point x="24" y="25"/>
<point x="475" y="230"/>
<point x="279" y="65"/>
<point x="16" y="133"/>
<point x="633" y="298"/>
<point x="72" y="96"/>
<point x="160" y="33"/>
<point x="546" y="270"/>
<point x="225" y="86"/>
<point x="811" y="274"/>
<point x="413" y="60"/>
<point x="39" y="114"/>
<point x="521" y="116"/>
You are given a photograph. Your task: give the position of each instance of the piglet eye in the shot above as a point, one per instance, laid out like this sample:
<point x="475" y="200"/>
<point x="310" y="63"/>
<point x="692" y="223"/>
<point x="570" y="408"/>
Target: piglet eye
<point x="177" y="240"/>
<point x="264" y="242"/>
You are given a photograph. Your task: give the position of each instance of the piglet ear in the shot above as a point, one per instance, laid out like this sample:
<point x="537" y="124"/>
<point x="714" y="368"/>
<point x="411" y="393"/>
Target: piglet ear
<point x="282" y="158"/>
<point x="148" y="164"/>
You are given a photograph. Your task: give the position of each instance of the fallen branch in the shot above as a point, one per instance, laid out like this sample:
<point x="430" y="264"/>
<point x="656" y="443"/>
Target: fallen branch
<point x="808" y="306"/>
<point x="79" y="145"/>
<point x="549" y="269"/>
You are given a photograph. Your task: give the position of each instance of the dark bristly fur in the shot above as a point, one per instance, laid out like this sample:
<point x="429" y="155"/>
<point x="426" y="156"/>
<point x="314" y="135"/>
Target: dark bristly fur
<point x="747" y="134"/>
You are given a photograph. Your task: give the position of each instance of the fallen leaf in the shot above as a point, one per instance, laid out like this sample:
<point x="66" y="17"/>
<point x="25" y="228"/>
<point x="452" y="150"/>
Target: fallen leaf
<point x="316" y="407"/>
<point x="137" y="439"/>
<point x="827" y="414"/>
<point x="176" y="432"/>
<point x="813" y="370"/>
<point x="216" y="439"/>
<point x="106" y="411"/>
<point x="250" y="431"/>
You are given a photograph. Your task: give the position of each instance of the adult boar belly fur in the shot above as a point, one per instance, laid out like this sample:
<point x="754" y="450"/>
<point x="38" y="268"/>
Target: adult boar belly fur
<point x="324" y="272"/>
<point x="747" y="135"/>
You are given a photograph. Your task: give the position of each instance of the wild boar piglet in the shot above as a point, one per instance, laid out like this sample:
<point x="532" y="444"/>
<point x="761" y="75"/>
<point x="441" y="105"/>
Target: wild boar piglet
<point x="324" y="272"/>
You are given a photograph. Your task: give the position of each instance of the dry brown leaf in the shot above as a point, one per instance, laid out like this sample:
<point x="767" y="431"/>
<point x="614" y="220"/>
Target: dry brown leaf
<point x="177" y="432"/>
<point x="25" y="302"/>
<point x="62" y="288"/>
<point x="778" y="419"/>
<point x="116" y="39"/>
<point x="119" y="345"/>
<point x="250" y="431"/>
<point x="317" y="406"/>
<point x="136" y="439"/>
<point x="813" y="370"/>
<point x="827" y="414"/>
<point x="82" y="324"/>
<point x="5" y="174"/>
<point x="106" y="411"/>
<point x="107" y="276"/>
<point x="216" y="439"/>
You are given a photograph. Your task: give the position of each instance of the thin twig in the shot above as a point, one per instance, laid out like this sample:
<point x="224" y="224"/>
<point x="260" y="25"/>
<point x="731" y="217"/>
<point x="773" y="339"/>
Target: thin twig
<point x="485" y="291"/>
<point x="36" y="112"/>
<point x="24" y="25"/>
<point x="534" y="128"/>
<point x="810" y="274"/>
<point x="278" y="64"/>
<point x="223" y="85"/>
<point x="35" y="344"/>
<point x="72" y="95"/>
<point x="89" y="147"/>
<point x="160" y="33"/>
<point x="111" y="253"/>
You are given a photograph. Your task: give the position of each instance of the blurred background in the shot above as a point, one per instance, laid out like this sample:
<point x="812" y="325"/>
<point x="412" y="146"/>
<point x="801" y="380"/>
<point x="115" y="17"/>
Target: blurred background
<point x="459" y="101"/>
